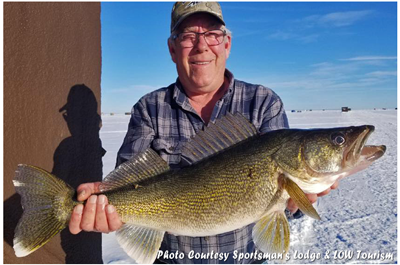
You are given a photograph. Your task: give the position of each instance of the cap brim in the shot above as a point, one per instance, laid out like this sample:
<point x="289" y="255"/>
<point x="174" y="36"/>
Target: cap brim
<point x="189" y="14"/>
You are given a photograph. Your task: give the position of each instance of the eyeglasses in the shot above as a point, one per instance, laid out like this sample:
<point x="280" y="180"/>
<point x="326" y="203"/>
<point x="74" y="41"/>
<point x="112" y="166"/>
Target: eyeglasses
<point x="212" y="37"/>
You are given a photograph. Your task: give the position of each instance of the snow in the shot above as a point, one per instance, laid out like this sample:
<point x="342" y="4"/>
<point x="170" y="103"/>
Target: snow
<point x="359" y="218"/>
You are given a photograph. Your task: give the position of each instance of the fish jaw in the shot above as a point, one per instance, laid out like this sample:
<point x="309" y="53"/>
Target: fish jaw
<point x="371" y="153"/>
<point x="353" y="153"/>
<point x="360" y="156"/>
<point x="368" y="155"/>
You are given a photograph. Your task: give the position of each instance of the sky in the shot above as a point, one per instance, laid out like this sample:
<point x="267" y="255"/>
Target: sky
<point x="314" y="55"/>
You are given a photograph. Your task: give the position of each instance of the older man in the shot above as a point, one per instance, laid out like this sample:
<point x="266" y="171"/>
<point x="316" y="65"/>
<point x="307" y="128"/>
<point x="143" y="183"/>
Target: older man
<point x="165" y="119"/>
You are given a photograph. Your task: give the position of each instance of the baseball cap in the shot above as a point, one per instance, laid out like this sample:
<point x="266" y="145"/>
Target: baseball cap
<point x="182" y="10"/>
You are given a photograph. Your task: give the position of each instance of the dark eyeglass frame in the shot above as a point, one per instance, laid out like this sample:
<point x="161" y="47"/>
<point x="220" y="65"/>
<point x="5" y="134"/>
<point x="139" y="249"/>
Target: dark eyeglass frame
<point x="176" y="36"/>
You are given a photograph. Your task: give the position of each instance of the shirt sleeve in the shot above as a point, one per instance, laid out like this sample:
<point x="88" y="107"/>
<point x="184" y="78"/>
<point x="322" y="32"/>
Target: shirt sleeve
<point x="139" y="136"/>
<point x="274" y="115"/>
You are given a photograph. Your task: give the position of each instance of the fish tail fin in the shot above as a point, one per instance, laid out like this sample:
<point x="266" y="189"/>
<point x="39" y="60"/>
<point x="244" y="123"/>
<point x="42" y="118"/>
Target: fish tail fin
<point x="47" y="203"/>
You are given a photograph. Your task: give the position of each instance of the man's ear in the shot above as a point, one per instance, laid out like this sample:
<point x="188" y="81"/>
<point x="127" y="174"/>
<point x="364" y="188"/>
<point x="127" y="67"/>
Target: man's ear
<point x="228" y="45"/>
<point x="171" y="48"/>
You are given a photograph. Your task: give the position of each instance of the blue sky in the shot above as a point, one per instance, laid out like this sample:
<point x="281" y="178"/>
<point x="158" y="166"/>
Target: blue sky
<point x="313" y="55"/>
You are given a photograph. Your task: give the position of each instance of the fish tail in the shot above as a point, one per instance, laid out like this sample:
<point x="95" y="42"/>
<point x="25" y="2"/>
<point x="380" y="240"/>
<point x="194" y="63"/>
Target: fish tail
<point x="47" y="203"/>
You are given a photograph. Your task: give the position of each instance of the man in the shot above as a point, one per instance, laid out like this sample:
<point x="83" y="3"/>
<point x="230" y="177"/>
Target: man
<point x="165" y="119"/>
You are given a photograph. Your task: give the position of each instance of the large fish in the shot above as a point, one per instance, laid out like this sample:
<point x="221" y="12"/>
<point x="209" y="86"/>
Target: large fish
<point x="234" y="177"/>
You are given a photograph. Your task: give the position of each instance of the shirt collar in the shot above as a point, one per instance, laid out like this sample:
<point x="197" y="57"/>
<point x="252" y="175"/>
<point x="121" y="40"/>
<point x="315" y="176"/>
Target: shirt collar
<point x="180" y="96"/>
<point x="231" y="79"/>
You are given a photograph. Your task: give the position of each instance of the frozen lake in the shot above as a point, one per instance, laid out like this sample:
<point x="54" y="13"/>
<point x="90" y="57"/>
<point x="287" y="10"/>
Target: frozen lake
<point x="358" y="218"/>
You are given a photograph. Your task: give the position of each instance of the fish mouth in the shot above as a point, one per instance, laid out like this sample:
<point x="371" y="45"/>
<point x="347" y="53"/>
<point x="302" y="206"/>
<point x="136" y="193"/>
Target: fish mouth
<point x="373" y="152"/>
<point x="358" y="152"/>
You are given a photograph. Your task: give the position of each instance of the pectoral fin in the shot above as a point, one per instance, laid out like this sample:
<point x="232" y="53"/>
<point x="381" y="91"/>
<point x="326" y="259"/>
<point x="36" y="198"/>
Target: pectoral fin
<point x="271" y="234"/>
<point x="141" y="244"/>
<point x="299" y="197"/>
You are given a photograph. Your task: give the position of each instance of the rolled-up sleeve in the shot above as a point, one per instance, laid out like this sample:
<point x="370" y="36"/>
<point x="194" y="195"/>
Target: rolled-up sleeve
<point x="139" y="135"/>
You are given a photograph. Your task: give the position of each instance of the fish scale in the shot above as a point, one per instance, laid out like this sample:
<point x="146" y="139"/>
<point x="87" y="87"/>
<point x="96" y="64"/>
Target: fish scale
<point x="183" y="198"/>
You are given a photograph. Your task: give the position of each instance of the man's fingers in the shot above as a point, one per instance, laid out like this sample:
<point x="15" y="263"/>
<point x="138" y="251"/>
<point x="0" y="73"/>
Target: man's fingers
<point x="325" y="192"/>
<point x="312" y="197"/>
<point x="335" y="185"/>
<point x="75" y="221"/>
<point x="97" y="215"/>
<point x="89" y="213"/>
<point x="86" y="189"/>
<point x="114" y="222"/>
<point x="101" y="223"/>
<point x="291" y="206"/>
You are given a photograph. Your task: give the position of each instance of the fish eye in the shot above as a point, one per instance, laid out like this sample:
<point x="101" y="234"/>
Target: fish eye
<point x="338" y="139"/>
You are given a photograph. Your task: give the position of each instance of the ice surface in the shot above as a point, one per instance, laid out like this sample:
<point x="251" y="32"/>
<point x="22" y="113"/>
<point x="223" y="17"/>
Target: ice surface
<point x="361" y="215"/>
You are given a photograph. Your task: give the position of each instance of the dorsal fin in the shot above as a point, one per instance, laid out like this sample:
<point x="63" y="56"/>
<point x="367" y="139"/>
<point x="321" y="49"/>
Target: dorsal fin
<point x="137" y="169"/>
<point x="225" y="132"/>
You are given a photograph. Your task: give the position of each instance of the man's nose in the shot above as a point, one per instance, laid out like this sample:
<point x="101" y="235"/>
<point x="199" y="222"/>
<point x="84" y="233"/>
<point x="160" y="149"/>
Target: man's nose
<point x="201" y="43"/>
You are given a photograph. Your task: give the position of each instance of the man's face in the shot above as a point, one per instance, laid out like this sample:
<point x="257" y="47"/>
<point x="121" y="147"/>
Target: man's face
<point x="200" y="68"/>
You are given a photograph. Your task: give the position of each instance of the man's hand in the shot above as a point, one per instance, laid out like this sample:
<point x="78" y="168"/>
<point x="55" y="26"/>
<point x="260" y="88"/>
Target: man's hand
<point x="96" y="215"/>
<point x="292" y="207"/>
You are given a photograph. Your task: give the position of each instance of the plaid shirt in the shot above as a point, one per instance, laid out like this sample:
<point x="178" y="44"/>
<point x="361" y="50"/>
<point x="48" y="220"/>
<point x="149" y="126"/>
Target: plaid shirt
<point x="164" y="120"/>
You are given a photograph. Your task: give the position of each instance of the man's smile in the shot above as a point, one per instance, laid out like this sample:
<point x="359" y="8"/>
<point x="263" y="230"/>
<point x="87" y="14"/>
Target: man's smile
<point x="200" y="62"/>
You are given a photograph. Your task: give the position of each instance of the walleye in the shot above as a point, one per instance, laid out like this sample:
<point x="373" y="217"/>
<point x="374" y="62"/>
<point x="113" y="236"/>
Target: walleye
<point x="234" y="177"/>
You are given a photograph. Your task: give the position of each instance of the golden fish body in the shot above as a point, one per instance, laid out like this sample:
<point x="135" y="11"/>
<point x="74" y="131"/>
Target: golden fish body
<point x="212" y="197"/>
<point x="233" y="177"/>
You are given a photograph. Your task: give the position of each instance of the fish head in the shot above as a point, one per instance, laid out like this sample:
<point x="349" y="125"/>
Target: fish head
<point x="339" y="149"/>
<point x="323" y="156"/>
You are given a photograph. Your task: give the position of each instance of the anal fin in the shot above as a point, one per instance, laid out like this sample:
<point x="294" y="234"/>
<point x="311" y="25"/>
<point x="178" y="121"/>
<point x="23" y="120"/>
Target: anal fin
<point x="141" y="244"/>
<point x="271" y="233"/>
<point x="299" y="197"/>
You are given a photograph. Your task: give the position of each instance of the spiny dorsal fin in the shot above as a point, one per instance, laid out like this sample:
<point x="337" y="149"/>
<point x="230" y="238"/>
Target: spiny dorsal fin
<point x="143" y="166"/>
<point x="225" y="132"/>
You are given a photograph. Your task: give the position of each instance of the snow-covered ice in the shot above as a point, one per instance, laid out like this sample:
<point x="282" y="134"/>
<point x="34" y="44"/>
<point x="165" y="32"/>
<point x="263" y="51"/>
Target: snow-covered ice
<point x="360" y="217"/>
